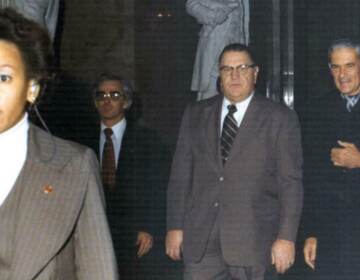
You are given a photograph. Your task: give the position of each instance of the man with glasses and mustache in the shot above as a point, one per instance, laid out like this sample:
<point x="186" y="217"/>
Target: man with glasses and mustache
<point x="125" y="154"/>
<point x="235" y="190"/>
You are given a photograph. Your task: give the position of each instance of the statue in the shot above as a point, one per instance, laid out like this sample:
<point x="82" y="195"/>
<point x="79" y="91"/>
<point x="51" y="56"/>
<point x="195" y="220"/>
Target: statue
<point x="224" y="22"/>
<point x="44" y="12"/>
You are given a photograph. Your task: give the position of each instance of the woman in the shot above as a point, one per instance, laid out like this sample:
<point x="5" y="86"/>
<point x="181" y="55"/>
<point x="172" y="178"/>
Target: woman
<point x="52" y="220"/>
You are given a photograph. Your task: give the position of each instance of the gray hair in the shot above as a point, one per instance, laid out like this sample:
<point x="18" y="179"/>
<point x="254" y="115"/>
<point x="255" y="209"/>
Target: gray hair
<point x="344" y="43"/>
<point x="126" y="85"/>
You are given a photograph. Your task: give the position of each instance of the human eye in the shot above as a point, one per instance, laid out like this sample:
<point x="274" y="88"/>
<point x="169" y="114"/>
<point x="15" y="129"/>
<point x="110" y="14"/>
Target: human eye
<point x="334" y="67"/>
<point x="100" y="95"/>
<point x="350" y="66"/>
<point x="5" y="78"/>
<point x="226" y="69"/>
<point x="115" y="95"/>
<point x="242" y="67"/>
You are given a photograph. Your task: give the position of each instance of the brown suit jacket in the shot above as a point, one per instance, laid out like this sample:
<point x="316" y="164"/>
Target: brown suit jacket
<point x="62" y="232"/>
<point x="257" y="195"/>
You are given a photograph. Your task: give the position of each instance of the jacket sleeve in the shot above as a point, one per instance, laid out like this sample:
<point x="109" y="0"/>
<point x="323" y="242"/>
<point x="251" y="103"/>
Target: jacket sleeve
<point x="149" y="178"/>
<point x="94" y="253"/>
<point x="313" y="144"/>
<point x="180" y="176"/>
<point x="289" y="176"/>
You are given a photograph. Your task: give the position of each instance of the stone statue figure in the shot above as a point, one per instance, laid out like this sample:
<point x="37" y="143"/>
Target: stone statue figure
<point x="223" y="22"/>
<point x="44" y="12"/>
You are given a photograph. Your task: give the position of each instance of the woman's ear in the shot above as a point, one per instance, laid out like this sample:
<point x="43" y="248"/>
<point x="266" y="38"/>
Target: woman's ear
<point x="33" y="91"/>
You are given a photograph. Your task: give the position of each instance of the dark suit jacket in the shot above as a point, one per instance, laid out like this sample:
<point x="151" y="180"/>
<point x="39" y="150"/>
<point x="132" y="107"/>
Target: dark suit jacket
<point x="257" y="194"/>
<point x="62" y="234"/>
<point x="332" y="194"/>
<point x="134" y="203"/>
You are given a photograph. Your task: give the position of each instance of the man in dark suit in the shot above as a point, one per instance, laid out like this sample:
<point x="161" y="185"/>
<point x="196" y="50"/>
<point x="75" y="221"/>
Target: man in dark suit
<point x="128" y="179"/>
<point x="332" y="161"/>
<point x="235" y="191"/>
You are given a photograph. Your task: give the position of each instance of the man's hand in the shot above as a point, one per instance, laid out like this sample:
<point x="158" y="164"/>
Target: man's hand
<point x="282" y="254"/>
<point x="144" y="242"/>
<point x="347" y="156"/>
<point x="310" y="251"/>
<point x="174" y="240"/>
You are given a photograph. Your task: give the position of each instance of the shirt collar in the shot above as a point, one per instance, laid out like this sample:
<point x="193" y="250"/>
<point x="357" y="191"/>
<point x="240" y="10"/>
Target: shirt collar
<point x="242" y="104"/>
<point x="118" y="129"/>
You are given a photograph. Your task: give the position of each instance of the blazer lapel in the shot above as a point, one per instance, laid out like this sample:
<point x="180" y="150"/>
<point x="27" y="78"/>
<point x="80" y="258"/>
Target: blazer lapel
<point x="48" y="207"/>
<point x="212" y="131"/>
<point x="126" y="150"/>
<point x="249" y="125"/>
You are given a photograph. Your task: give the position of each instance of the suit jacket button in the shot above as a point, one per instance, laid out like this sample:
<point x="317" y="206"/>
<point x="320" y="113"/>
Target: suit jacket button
<point x="221" y="179"/>
<point x="216" y="204"/>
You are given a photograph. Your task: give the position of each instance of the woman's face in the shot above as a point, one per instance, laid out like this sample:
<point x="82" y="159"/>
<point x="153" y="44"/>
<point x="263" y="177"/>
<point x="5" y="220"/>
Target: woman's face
<point x="15" y="88"/>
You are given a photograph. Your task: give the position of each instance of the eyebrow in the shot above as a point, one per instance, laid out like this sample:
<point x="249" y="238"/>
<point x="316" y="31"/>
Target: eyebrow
<point x="338" y="65"/>
<point x="6" y="66"/>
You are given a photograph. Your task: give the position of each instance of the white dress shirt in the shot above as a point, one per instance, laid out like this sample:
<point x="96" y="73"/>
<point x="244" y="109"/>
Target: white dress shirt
<point x="241" y="109"/>
<point x="13" y="149"/>
<point x="118" y="133"/>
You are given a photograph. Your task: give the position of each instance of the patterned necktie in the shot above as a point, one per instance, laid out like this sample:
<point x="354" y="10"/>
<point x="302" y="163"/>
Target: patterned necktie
<point x="108" y="161"/>
<point x="351" y="101"/>
<point x="228" y="133"/>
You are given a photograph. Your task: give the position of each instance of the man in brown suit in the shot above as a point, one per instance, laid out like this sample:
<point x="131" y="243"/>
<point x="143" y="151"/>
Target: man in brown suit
<point x="235" y="191"/>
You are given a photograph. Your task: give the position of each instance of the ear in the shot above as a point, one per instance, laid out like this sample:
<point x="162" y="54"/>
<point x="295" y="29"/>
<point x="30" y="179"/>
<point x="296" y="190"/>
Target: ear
<point x="219" y="84"/>
<point x="96" y="103"/>
<point x="33" y="91"/>
<point x="256" y="72"/>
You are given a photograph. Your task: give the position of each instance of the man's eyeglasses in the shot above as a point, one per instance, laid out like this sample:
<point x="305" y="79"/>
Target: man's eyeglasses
<point x="240" y="69"/>
<point x="113" y="95"/>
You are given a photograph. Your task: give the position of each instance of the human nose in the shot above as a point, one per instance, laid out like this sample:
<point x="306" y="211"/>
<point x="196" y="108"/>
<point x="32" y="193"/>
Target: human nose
<point x="342" y="71"/>
<point x="235" y="73"/>
<point x="107" y="97"/>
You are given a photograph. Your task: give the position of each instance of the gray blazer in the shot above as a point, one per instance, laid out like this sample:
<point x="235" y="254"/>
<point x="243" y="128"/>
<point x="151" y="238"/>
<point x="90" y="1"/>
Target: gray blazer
<point x="257" y="195"/>
<point x="44" y="12"/>
<point x="61" y="233"/>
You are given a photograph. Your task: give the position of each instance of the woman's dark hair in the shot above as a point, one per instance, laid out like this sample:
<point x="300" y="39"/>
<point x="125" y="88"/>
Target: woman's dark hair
<point x="33" y="42"/>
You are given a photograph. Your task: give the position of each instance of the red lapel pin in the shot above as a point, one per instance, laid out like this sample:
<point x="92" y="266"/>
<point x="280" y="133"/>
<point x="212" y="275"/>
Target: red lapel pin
<point x="47" y="189"/>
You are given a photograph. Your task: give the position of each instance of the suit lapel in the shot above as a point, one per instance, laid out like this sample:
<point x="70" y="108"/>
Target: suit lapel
<point x="126" y="149"/>
<point x="249" y="126"/>
<point x="212" y="131"/>
<point x="48" y="207"/>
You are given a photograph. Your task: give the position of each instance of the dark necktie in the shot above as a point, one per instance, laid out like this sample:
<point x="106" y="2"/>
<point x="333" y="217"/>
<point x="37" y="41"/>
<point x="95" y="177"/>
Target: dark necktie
<point x="108" y="160"/>
<point x="228" y="133"/>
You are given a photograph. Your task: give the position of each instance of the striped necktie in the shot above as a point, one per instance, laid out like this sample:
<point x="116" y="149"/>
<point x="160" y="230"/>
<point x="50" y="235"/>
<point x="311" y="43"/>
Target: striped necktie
<point x="228" y="133"/>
